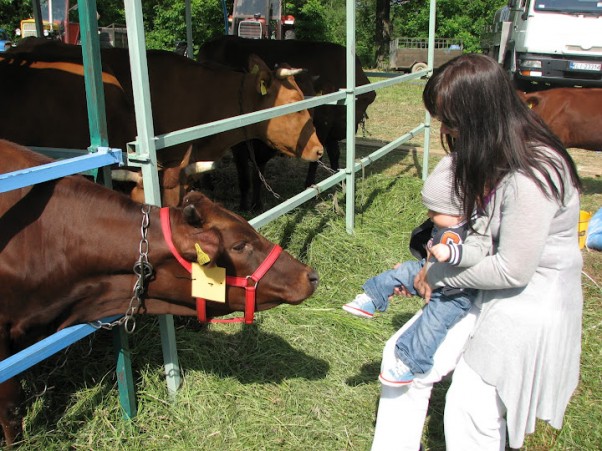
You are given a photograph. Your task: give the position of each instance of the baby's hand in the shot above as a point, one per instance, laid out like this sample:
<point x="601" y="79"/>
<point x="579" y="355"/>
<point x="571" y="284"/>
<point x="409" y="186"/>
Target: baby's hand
<point x="441" y="252"/>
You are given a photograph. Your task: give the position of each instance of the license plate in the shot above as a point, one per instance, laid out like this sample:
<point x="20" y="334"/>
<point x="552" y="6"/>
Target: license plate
<point x="584" y="66"/>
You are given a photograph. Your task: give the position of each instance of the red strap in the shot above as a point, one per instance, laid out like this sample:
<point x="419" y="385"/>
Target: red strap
<point x="166" y="226"/>
<point x="235" y="281"/>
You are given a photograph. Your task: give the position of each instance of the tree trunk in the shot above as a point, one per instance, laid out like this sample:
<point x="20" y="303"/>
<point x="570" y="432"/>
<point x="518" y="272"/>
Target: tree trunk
<point x="383" y="33"/>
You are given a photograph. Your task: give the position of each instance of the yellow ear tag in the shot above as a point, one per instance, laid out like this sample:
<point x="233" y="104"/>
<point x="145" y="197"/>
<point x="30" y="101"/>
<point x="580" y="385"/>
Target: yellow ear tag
<point x="255" y="69"/>
<point x="201" y="256"/>
<point x="209" y="283"/>
<point x="264" y="90"/>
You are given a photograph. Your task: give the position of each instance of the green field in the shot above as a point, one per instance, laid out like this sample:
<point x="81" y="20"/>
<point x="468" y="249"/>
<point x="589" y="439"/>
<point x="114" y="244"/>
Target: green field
<point x="304" y="377"/>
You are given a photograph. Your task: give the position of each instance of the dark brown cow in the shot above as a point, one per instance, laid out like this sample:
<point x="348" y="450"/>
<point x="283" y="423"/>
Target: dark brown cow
<point x="67" y="250"/>
<point x="48" y="106"/>
<point x="325" y="64"/>
<point x="573" y="114"/>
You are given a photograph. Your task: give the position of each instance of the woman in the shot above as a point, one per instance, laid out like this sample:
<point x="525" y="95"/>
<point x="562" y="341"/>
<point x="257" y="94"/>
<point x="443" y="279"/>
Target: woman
<point x="516" y="355"/>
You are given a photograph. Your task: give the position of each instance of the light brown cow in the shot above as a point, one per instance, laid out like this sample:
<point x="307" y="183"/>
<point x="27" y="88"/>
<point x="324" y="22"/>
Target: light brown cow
<point x="573" y="114"/>
<point x="48" y="105"/>
<point x="67" y="250"/>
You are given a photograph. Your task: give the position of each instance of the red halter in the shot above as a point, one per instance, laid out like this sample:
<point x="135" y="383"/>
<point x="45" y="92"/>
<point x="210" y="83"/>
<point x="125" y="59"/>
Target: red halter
<point x="249" y="283"/>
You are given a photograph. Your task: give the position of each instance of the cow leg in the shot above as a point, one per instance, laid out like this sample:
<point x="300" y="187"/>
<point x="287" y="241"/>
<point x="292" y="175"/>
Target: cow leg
<point x="240" y="155"/>
<point x="310" y="178"/>
<point x="334" y="153"/>
<point x="11" y="415"/>
<point x="256" y="202"/>
<point x="261" y="155"/>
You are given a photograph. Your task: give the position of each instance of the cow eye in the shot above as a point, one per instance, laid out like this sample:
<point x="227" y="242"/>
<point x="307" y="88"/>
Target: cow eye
<point x="239" y="247"/>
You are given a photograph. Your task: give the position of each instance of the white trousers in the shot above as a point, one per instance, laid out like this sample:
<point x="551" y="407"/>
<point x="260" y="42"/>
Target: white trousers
<point x="402" y="410"/>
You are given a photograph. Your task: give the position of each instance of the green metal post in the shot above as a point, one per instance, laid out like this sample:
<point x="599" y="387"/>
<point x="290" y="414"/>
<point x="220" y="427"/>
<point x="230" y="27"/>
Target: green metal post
<point x="37" y="17"/>
<point x="189" y="47"/>
<point x="99" y="137"/>
<point x="431" y="61"/>
<point x="97" y="120"/>
<point x="146" y="157"/>
<point x="350" y="179"/>
<point x="125" y="378"/>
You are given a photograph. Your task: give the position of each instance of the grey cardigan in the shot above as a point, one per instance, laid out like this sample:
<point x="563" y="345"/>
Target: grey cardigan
<point x="527" y="341"/>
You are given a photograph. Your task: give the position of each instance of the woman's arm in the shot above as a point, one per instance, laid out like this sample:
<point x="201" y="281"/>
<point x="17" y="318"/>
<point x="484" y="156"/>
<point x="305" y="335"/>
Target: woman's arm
<point x="525" y="216"/>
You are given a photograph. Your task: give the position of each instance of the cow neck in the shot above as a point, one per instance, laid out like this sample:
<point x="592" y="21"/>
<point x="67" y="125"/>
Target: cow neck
<point x="249" y="283"/>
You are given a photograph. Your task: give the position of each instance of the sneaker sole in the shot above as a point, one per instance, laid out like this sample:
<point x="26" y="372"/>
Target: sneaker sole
<point x="389" y="383"/>
<point x="357" y="312"/>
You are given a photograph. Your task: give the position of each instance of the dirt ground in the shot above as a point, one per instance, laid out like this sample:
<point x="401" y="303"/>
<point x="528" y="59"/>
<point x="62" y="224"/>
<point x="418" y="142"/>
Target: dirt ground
<point x="589" y="163"/>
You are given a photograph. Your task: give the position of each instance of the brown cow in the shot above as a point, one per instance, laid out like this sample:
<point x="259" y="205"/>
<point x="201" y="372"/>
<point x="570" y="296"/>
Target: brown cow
<point x="184" y="93"/>
<point x="325" y="65"/>
<point x="67" y="250"/>
<point x="573" y="114"/>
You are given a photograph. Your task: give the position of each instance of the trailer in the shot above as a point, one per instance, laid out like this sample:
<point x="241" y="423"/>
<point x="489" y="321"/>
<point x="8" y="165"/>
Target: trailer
<point x="411" y="54"/>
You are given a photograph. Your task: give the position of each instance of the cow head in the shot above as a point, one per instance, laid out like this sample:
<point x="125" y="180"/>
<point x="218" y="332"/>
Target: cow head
<point x="276" y="88"/>
<point x="232" y="243"/>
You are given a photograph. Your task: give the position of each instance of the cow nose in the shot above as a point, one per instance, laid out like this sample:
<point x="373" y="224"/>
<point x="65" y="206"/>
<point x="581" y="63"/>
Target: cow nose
<point x="314" y="278"/>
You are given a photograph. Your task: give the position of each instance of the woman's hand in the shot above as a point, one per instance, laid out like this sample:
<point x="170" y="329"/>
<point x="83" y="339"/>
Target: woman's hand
<point x="400" y="291"/>
<point x="422" y="286"/>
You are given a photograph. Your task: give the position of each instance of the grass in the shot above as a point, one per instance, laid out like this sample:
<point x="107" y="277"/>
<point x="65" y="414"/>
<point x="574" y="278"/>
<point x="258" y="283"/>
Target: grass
<point x="303" y="377"/>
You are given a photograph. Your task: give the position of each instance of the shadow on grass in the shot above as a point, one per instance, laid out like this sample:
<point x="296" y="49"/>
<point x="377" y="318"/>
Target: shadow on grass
<point x="289" y="230"/>
<point x="368" y="373"/>
<point x="74" y="383"/>
<point x="249" y="355"/>
<point x="592" y="186"/>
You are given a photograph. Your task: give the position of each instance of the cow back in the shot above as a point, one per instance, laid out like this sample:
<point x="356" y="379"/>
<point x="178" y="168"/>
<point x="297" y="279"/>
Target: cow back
<point x="324" y="61"/>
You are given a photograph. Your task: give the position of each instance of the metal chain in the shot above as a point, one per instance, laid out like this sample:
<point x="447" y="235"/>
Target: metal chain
<point x="144" y="270"/>
<point x="322" y="165"/>
<point x="249" y="145"/>
<point x="261" y="177"/>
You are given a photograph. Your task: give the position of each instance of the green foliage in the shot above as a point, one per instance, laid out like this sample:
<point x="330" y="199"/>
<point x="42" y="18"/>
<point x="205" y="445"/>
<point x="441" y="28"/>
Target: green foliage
<point x="11" y="13"/>
<point x="365" y="46"/>
<point x="310" y="21"/>
<point x="461" y="19"/>
<point x="316" y="20"/>
<point x="166" y="23"/>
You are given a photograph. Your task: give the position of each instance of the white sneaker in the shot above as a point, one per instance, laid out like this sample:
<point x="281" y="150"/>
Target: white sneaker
<point x="362" y="306"/>
<point x="397" y="375"/>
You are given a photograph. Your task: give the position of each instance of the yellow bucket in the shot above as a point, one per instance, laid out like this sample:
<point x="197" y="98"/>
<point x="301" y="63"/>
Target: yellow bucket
<point x="584" y="217"/>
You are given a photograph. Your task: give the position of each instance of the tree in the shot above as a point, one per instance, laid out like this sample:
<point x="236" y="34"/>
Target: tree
<point x="383" y="32"/>
<point x="11" y="13"/>
<point x="165" y="24"/>
<point x="461" y="19"/>
<point x="310" y="22"/>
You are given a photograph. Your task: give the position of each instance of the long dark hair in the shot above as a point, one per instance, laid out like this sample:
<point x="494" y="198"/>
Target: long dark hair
<point x="494" y="131"/>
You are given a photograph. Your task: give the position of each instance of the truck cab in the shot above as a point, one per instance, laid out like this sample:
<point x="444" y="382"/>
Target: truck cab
<point x="550" y="42"/>
<point x="261" y="19"/>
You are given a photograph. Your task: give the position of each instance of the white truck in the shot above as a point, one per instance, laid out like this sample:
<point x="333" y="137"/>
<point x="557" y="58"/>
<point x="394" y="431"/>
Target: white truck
<point x="550" y="42"/>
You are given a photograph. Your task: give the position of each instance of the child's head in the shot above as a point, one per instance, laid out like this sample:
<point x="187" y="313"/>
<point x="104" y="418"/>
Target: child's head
<point x="439" y="196"/>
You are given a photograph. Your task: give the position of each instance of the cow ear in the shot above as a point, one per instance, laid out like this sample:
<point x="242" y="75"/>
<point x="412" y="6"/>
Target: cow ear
<point x="192" y="216"/>
<point x="262" y="73"/>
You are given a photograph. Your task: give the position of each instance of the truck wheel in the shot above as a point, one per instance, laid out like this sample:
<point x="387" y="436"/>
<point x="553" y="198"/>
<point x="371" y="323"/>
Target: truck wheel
<point x="418" y="67"/>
